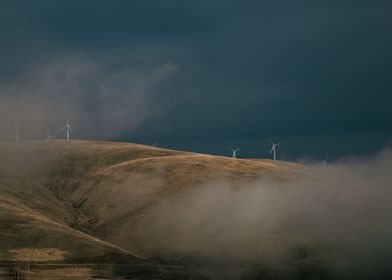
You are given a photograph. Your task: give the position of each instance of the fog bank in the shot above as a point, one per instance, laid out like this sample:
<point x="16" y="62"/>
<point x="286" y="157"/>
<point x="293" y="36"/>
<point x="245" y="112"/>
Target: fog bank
<point x="338" y="220"/>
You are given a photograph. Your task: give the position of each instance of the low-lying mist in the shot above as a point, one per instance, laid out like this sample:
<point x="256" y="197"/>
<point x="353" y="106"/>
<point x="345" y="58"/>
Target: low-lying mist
<point x="335" y="222"/>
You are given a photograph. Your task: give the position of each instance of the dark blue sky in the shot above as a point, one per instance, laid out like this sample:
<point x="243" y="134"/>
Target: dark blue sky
<point x="314" y="75"/>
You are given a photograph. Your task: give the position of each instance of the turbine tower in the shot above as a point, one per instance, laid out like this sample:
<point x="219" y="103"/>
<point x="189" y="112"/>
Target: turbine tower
<point x="325" y="161"/>
<point x="67" y="127"/>
<point x="273" y="149"/>
<point x="234" y="151"/>
<point x="17" y="131"/>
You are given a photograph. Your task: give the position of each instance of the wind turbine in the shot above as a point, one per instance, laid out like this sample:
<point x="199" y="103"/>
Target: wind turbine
<point x="325" y="161"/>
<point x="17" y="131"/>
<point x="273" y="149"/>
<point x="49" y="137"/>
<point x="234" y="151"/>
<point x="67" y="127"/>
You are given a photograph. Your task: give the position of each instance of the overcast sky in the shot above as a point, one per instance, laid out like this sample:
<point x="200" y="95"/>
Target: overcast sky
<point x="202" y="75"/>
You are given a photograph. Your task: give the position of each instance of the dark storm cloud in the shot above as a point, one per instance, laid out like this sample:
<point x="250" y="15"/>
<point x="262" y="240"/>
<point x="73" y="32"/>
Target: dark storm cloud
<point x="294" y="71"/>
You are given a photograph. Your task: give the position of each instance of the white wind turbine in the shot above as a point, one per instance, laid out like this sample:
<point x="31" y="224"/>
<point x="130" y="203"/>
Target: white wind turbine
<point x="234" y="151"/>
<point x="273" y="149"/>
<point x="17" y="131"/>
<point x="325" y="161"/>
<point x="67" y="127"/>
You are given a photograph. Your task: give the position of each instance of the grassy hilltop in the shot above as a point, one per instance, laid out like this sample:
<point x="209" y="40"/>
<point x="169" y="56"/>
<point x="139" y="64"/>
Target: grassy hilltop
<point x="75" y="200"/>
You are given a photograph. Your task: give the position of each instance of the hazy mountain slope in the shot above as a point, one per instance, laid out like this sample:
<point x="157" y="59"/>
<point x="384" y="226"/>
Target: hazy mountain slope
<point x="52" y="191"/>
<point x="124" y="192"/>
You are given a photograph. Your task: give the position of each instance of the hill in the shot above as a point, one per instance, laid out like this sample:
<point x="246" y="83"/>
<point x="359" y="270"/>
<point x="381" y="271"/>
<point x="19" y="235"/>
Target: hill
<point x="67" y="200"/>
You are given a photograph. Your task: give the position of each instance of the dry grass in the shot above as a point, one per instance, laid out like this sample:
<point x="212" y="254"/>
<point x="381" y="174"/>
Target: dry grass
<point x="73" y="199"/>
<point x="34" y="254"/>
